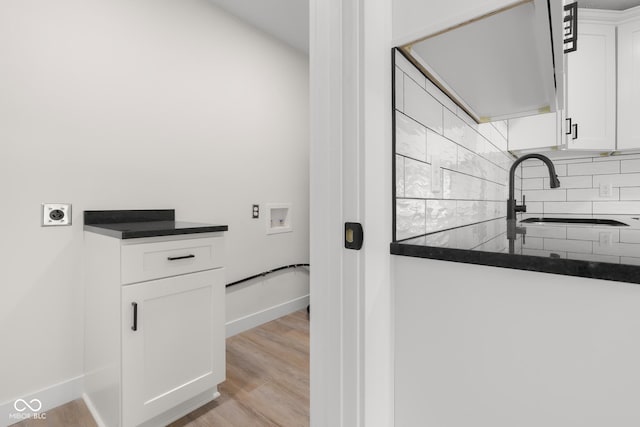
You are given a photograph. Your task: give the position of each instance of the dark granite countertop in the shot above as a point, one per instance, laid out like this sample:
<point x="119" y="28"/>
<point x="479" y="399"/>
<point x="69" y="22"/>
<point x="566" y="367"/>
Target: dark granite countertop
<point x="594" y="251"/>
<point x="133" y="224"/>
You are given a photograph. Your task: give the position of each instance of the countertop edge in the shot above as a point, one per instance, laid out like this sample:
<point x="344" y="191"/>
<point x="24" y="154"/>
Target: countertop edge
<point x="125" y="235"/>
<point x="567" y="267"/>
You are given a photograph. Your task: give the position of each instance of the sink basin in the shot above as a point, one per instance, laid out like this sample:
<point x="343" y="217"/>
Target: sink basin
<point x="585" y="221"/>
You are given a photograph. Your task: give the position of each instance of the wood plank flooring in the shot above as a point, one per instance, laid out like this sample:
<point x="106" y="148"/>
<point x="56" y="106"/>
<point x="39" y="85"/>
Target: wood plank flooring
<point x="267" y="383"/>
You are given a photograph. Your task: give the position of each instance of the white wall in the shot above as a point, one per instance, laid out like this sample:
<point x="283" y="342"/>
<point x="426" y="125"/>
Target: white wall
<point x="495" y="347"/>
<point x="115" y="104"/>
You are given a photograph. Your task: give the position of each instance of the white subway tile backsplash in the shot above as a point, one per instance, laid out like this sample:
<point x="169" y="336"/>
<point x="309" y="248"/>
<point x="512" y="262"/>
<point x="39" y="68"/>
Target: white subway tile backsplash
<point x="410" y="71"/>
<point x="440" y="215"/>
<point x="629" y="260"/>
<point x="502" y="127"/>
<point x="440" y="149"/>
<point x="556" y="194"/>
<point x="421" y="106"/>
<point x="546" y="231"/>
<point x="542" y="171"/>
<point x="411" y="138"/>
<point x="595" y="234"/>
<point x="410" y="218"/>
<point x="617" y="249"/>
<point x="571" y="182"/>
<point x="616" y="208"/>
<point x="399" y="176"/>
<point x="630" y="166"/>
<point x="630" y="193"/>
<point x="399" y="90"/>
<point x="433" y="136"/>
<point x="576" y="160"/>
<point x="535" y="207"/>
<point x="585" y="194"/>
<point x="593" y="168"/>
<point x="621" y="180"/>
<point x="568" y="207"/>
<point x="532" y="184"/>
<point x="417" y="179"/>
<point x="629" y="236"/>
<point x="470" y="163"/>
<point x="440" y="96"/>
<point x="458" y="131"/>
<point x="533" y="242"/>
<point x="580" y="246"/>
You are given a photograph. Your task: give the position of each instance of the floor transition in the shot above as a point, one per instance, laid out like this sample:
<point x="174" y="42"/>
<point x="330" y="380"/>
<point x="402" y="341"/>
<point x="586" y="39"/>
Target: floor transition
<point x="267" y="383"/>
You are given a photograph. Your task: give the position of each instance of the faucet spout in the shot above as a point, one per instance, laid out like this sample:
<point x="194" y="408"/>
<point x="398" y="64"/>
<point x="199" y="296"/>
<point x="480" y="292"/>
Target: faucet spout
<point x="554" y="182"/>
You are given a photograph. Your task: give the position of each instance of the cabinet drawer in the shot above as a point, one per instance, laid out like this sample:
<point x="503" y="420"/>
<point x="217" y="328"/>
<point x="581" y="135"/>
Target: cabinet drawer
<point x="154" y="260"/>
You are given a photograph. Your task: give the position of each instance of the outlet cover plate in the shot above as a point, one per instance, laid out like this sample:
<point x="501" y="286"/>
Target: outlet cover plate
<point x="54" y="214"/>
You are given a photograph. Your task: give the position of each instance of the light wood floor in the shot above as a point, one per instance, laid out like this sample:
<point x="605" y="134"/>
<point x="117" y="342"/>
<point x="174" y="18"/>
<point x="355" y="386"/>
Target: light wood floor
<point x="267" y="383"/>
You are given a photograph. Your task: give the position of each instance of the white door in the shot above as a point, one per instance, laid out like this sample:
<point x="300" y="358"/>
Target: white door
<point x="628" y="84"/>
<point x="350" y="65"/>
<point x="591" y="88"/>
<point x="172" y="342"/>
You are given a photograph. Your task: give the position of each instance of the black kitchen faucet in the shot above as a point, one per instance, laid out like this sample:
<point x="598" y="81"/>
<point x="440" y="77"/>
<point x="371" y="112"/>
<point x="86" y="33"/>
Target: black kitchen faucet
<point x="512" y="205"/>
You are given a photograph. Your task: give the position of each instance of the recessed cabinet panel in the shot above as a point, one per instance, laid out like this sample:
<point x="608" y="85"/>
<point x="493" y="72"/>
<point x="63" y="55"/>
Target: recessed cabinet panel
<point x="628" y="85"/>
<point x="177" y="348"/>
<point x="591" y="88"/>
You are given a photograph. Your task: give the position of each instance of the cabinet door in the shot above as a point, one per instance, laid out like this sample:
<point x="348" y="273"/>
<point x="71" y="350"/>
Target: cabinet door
<point x="177" y="348"/>
<point x="539" y="131"/>
<point x="591" y="88"/>
<point x="628" y="84"/>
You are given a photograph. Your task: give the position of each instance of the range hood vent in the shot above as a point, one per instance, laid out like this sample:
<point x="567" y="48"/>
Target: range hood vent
<point x="505" y="64"/>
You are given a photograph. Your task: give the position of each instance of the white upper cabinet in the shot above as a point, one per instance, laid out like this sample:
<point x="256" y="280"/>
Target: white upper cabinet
<point x="628" y="84"/>
<point x="534" y="132"/>
<point x="501" y="64"/>
<point x="591" y="88"/>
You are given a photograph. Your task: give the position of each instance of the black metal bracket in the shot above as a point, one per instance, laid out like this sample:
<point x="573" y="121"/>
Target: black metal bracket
<point x="571" y="27"/>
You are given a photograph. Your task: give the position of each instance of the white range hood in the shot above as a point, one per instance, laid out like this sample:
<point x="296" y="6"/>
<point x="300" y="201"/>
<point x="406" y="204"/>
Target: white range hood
<point x="505" y="64"/>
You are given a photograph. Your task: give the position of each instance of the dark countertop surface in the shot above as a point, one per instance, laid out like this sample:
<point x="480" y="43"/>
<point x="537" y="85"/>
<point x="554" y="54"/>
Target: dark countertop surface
<point x="594" y="251"/>
<point x="133" y="224"/>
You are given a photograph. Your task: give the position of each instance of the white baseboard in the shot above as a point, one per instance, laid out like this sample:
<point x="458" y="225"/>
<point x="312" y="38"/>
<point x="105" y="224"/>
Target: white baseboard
<point x="256" y="319"/>
<point x="49" y="398"/>
<point x="92" y="409"/>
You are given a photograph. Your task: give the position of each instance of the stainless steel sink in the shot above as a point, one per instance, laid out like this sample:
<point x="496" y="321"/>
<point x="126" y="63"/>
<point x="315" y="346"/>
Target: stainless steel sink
<point x="583" y="221"/>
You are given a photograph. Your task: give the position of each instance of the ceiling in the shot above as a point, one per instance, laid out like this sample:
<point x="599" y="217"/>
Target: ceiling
<point x="608" y="4"/>
<point x="286" y="20"/>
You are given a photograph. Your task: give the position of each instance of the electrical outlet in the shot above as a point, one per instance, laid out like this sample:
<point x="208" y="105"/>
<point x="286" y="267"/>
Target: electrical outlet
<point x="605" y="189"/>
<point x="256" y="211"/>
<point x="56" y="214"/>
<point x="605" y="238"/>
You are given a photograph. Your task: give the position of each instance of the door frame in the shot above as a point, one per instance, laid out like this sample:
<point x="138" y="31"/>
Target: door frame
<point x="350" y="173"/>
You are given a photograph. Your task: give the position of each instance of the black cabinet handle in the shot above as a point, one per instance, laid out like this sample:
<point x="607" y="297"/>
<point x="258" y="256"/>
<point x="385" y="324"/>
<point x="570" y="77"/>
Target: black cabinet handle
<point x="174" y="258"/>
<point x="570" y="25"/>
<point x="568" y="132"/>
<point x="575" y="131"/>
<point x="134" y="327"/>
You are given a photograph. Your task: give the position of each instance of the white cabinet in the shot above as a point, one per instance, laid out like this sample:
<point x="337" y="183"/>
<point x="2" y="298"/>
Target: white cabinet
<point x="533" y="132"/>
<point x="154" y="333"/>
<point x="628" y="84"/>
<point x="591" y="88"/>
<point x="171" y="349"/>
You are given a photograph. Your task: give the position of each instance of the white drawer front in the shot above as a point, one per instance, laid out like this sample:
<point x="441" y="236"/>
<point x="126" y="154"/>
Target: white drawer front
<point x="147" y="261"/>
